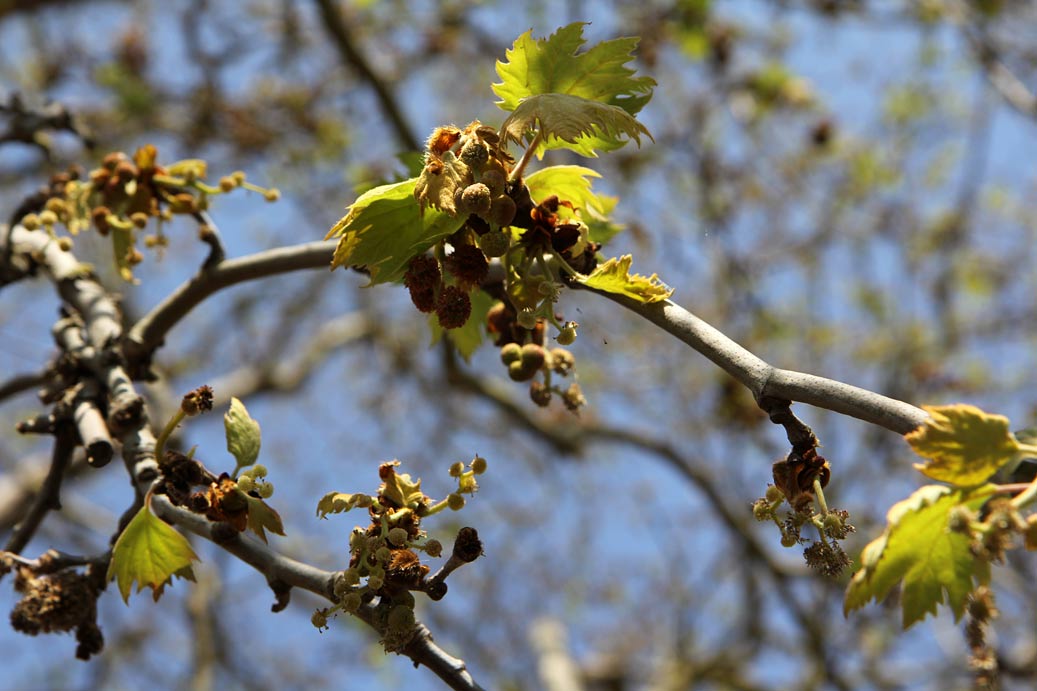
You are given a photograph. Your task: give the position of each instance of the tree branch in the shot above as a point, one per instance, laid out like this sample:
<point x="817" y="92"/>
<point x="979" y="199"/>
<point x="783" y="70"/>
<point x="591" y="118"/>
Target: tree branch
<point x="351" y="56"/>
<point x="48" y="498"/>
<point x="149" y="333"/>
<point x="767" y="382"/>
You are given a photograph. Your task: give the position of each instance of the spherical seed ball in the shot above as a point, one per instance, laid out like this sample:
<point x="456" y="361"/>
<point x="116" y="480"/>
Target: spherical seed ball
<point x="65" y="244"/>
<point x="423" y="272"/>
<point x="246" y="483"/>
<point x="519" y="372"/>
<point x="502" y="210"/>
<point x="31" y="221"/>
<point x="526" y="318"/>
<point x="453" y="307"/>
<point x="474" y="153"/>
<point x="398" y="536"/>
<point x="456" y="469"/>
<point x="566" y="336"/>
<point x="494" y="179"/>
<point x="495" y="243"/>
<point x="478" y="465"/>
<point x="540" y="394"/>
<point x="139" y="219"/>
<point x="48" y="217"/>
<point x="468" y="265"/>
<point x="433" y="548"/>
<point x="319" y="619"/>
<point x="533" y="356"/>
<point x="423" y="298"/>
<point x="476" y="199"/>
<point x="455" y="501"/>
<point x="510" y="352"/>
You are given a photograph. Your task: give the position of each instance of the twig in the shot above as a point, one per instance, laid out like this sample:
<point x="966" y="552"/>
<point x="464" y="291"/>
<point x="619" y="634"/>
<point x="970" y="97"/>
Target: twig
<point x="20" y="383"/>
<point x="149" y="333"/>
<point x="48" y="497"/>
<point x="767" y="382"/>
<point x="352" y="57"/>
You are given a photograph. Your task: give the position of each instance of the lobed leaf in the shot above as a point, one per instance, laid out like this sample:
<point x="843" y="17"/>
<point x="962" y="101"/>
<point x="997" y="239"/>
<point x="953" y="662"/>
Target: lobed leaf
<point x="935" y="564"/>
<point x="572" y="122"/>
<point x="552" y="65"/>
<point x="262" y="517"/>
<point x="149" y="552"/>
<point x="573" y="183"/>
<point x="243" y="434"/>
<point x="613" y="276"/>
<point x="384" y="229"/>
<point x="964" y="445"/>
<point x="336" y="502"/>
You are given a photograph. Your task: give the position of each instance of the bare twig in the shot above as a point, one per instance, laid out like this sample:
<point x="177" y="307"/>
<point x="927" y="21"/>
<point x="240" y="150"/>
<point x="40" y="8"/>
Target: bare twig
<point x="336" y="26"/>
<point x="48" y="497"/>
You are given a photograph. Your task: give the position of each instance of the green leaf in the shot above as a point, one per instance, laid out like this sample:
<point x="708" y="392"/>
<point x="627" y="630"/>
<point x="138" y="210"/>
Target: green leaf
<point x="613" y="276"/>
<point x="573" y="183"/>
<point x="336" y="502"/>
<point x="384" y="230"/>
<point x="468" y="337"/>
<point x="917" y="547"/>
<point x="964" y="445"/>
<point x="399" y="487"/>
<point x="553" y="66"/>
<point x="243" y="435"/>
<point x="261" y="517"/>
<point x="572" y="122"/>
<point x="149" y="552"/>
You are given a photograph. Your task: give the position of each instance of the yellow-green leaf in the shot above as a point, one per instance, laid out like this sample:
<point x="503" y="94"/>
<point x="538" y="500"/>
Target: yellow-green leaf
<point x="261" y="517"/>
<point x="149" y="552"/>
<point x="573" y="183"/>
<point x="383" y="230"/>
<point x="572" y="122"/>
<point x="613" y="276"/>
<point x="917" y="547"/>
<point x="399" y="487"/>
<point x="964" y="445"/>
<point x="243" y="435"/>
<point x="553" y="66"/>
<point x="336" y="502"/>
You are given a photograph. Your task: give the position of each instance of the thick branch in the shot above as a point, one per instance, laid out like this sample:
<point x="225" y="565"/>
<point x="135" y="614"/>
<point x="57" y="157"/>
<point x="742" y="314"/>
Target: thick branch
<point x="768" y="382"/>
<point x="149" y="333"/>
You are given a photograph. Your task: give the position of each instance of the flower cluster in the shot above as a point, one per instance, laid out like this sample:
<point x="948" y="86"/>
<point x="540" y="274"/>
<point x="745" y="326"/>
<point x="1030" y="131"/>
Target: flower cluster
<point x="385" y="568"/>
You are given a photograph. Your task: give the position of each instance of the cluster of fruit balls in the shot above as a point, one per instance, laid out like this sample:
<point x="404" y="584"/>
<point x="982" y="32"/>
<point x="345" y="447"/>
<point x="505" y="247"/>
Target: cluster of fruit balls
<point x="122" y="195"/>
<point x="467" y="173"/>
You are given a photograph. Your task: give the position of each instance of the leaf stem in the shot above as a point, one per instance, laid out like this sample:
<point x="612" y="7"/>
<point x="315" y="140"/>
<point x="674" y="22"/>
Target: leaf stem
<point x="820" y="497"/>
<point x="167" y="431"/>
<point x="527" y="156"/>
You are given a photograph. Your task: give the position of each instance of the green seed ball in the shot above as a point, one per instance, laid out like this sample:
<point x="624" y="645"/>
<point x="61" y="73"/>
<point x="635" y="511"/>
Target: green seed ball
<point x="510" y="352"/>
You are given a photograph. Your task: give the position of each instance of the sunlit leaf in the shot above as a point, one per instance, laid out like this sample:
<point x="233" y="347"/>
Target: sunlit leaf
<point x="149" y="552"/>
<point x="243" y="434"/>
<point x="573" y="184"/>
<point x="613" y="276"/>
<point x="572" y="122"/>
<point x="384" y="230"/>
<point x="262" y="517"/>
<point x="440" y="179"/>
<point x="336" y="502"/>
<point x="399" y="487"/>
<point x="917" y="547"/>
<point x="553" y="66"/>
<point x="964" y="445"/>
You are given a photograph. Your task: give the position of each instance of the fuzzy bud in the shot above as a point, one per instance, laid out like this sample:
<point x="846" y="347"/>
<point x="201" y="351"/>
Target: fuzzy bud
<point x="433" y="548"/>
<point x="495" y="243"/>
<point x="478" y="465"/>
<point x="476" y="199"/>
<point x="398" y="536"/>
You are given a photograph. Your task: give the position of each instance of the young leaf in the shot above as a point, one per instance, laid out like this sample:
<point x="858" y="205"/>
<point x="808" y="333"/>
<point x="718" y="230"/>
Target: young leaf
<point x="384" y="230"/>
<point x="964" y="445"/>
<point x="262" y="516"/>
<point x="935" y="564"/>
<point x="336" y="502"/>
<point x="149" y="552"/>
<point x="468" y="337"/>
<point x="440" y="179"/>
<point x="398" y="487"/>
<point x="552" y="66"/>
<point x="613" y="276"/>
<point x="242" y="434"/>
<point x="572" y="122"/>
<point x="573" y="183"/>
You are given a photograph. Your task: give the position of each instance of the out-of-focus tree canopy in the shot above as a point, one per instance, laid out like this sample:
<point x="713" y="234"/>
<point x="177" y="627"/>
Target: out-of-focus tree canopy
<point x="844" y="188"/>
